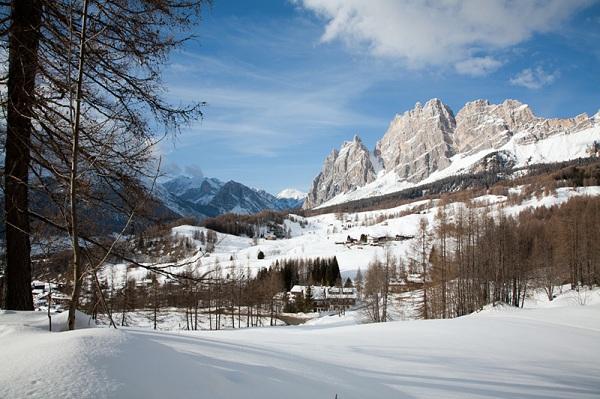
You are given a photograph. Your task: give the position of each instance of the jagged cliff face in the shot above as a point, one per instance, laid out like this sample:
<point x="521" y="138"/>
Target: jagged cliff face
<point x="342" y="171"/>
<point x="419" y="141"/>
<point x="424" y="139"/>
<point x="481" y="125"/>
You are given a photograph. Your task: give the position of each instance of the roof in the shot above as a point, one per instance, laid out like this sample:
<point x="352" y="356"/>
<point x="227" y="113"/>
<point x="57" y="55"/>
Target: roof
<point x="319" y="292"/>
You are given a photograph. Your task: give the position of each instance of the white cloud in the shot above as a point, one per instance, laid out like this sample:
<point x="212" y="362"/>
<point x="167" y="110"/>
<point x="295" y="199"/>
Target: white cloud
<point x="477" y="66"/>
<point x="170" y="169"/>
<point x="194" y="171"/>
<point x="534" y="78"/>
<point x="423" y="33"/>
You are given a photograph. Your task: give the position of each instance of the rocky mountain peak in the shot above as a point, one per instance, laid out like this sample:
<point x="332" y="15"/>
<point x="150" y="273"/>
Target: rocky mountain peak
<point x="424" y="139"/>
<point x="343" y="170"/>
<point x="291" y="193"/>
<point x="418" y="141"/>
<point x="480" y="124"/>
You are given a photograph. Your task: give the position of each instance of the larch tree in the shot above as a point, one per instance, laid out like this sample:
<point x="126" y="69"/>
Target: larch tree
<point x="21" y="29"/>
<point x="420" y="256"/>
<point x="91" y="112"/>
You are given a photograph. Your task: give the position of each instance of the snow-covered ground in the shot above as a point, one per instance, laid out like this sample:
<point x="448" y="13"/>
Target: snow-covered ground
<point x="547" y="351"/>
<point x="291" y="193"/>
<point x="172" y="319"/>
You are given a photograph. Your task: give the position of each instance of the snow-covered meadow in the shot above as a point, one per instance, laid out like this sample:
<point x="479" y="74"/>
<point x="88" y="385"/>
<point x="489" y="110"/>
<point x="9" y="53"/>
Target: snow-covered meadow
<point x="547" y="350"/>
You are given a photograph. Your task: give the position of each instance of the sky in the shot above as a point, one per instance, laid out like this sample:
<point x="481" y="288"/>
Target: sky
<point x="286" y="81"/>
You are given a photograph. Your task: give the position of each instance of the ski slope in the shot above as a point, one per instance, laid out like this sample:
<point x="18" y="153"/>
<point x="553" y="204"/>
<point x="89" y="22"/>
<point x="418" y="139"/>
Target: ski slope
<point x="546" y="352"/>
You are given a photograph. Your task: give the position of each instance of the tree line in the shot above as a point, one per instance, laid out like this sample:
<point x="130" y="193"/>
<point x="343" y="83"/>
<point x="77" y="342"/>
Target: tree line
<point x="472" y="258"/>
<point x="231" y="296"/>
<point x="248" y="225"/>
<point x="312" y="271"/>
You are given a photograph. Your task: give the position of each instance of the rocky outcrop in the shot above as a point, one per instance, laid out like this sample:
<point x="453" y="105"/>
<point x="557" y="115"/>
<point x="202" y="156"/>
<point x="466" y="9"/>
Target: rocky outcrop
<point x="424" y="139"/>
<point x="342" y="171"/>
<point x="419" y="141"/>
<point x="481" y="125"/>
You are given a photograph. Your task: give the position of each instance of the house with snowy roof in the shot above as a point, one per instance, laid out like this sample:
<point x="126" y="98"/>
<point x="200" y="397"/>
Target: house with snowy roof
<point x="325" y="298"/>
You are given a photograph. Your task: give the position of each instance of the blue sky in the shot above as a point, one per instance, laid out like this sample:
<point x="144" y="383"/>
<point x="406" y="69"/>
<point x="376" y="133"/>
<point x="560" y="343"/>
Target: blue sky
<point x="287" y="81"/>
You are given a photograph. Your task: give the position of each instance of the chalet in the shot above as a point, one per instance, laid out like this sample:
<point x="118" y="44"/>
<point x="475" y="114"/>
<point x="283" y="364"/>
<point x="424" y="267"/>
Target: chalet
<point x="325" y="298"/>
<point x="382" y="239"/>
<point x="39" y="287"/>
<point x="371" y="240"/>
<point x="402" y="237"/>
<point x="41" y="290"/>
<point x="57" y="299"/>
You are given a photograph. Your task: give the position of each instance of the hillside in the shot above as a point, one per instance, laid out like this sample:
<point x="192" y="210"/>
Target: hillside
<point x="325" y="235"/>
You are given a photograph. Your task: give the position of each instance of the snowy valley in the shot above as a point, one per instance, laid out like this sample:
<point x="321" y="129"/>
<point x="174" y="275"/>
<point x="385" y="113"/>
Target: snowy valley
<point x="179" y="219"/>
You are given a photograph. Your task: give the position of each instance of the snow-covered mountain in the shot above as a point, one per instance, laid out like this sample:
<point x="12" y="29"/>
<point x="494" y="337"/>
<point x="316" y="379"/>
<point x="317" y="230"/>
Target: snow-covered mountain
<point x="291" y="198"/>
<point x="429" y="143"/>
<point x="291" y="193"/>
<point x="343" y="170"/>
<point x="207" y="197"/>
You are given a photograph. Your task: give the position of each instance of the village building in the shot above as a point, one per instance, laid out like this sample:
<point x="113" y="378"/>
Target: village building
<point x="42" y="291"/>
<point x="325" y="298"/>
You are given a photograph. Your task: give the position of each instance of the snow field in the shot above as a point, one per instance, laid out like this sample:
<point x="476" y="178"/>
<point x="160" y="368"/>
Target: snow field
<point x="545" y="352"/>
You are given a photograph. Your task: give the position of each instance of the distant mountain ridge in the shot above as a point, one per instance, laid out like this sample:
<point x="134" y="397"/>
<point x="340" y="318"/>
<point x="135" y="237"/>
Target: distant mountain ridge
<point x="204" y="197"/>
<point x="292" y="193"/>
<point x="430" y="142"/>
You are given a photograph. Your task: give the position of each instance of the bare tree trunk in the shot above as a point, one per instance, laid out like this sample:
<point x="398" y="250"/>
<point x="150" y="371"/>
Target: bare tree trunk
<point x="209" y="314"/>
<point x="77" y="267"/>
<point x="49" y="303"/>
<point x="232" y="304"/>
<point x="155" y="304"/>
<point x="22" y="69"/>
<point x="240" y="306"/>
<point x="196" y="300"/>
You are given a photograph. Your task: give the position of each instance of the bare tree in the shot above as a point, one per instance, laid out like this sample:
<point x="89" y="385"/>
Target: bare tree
<point x="87" y="105"/>
<point x="23" y="42"/>
<point x="374" y="281"/>
<point x="420" y="256"/>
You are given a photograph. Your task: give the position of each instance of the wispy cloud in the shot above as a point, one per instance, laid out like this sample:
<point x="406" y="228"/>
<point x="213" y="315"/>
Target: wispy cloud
<point x="477" y="66"/>
<point x="534" y="78"/>
<point x="260" y="121"/>
<point x="259" y="105"/>
<point x="425" y="33"/>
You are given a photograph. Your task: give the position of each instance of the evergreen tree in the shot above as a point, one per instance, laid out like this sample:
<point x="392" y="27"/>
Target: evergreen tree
<point x="308" y="304"/>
